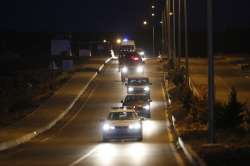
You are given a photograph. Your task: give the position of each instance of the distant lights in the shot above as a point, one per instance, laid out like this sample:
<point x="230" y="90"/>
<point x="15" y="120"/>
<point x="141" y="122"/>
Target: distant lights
<point x="171" y="13"/>
<point x="145" y="22"/>
<point x="125" y="40"/>
<point x="153" y="6"/>
<point x="153" y="14"/>
<point x="118" y="41"/>
<point x="104" y="41"/>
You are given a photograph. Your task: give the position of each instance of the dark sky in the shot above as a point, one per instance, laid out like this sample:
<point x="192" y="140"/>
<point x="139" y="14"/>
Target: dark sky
<point x="108" y="15"/>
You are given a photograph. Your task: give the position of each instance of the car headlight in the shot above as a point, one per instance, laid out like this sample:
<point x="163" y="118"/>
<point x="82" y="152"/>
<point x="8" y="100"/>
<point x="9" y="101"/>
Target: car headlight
<point x="139" y="69"/>
<point x="135" y="126"/>
<point x="142" y="53"/>
<point x="146" y="88"/>
<point x="107" y="127"/>
<point x="146" y="107"/>
<point x="124" y="69"/>
<point x="130" y="89"/>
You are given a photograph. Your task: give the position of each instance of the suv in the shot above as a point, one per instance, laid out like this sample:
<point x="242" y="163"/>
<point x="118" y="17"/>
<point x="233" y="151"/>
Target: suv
<point x="138" y="85"/>
<point x="122" y="123"/>
<point x="139" y="102"/>
<point x="131" y="64"/>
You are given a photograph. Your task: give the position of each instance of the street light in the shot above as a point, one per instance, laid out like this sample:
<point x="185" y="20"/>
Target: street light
<point x="153" y="6"/>
<point x="153" y="14"/>
<point x="104" y="41"/>
<point x="145" y="23"/>
<point x="118" y="41"/>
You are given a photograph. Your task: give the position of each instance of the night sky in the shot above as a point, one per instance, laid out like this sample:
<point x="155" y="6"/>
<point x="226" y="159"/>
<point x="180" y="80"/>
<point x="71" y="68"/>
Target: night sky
<point x="109" y="15"/>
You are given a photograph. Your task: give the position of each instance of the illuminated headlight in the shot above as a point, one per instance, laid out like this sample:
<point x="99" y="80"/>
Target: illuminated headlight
<point x="142" y="53"/>
<point x="146" y="88"/>
<point x="107" y="127"/>
<point x="124" y="69"/>
<point x="146" y="107"/>
<point x="130" y="89"/>
<point x="135" y="126"/>
<point x="139" y="69"/>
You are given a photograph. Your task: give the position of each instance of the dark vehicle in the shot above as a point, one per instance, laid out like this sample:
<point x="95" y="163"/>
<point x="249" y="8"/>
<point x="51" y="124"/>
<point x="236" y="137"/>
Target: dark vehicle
<point x="140" y="102"/>
<point x="131" y="64"/>
<point x="137" y="85"/>
<point x="122" y="123"/>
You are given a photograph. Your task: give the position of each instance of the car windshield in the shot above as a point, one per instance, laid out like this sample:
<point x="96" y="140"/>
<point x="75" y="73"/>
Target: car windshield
<point x="122" y="116"/>
<point x="133" y="98"/>
<point x="141" y="81"/>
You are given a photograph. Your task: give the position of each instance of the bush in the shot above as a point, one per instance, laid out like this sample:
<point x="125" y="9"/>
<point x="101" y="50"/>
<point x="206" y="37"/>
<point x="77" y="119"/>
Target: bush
<point x="228" y="115"/>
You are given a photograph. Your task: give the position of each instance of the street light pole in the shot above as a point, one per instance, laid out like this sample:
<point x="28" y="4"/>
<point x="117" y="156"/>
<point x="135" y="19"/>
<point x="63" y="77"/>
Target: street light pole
<point x="211" y="95"/>
<point x="174" y="35"/>
<point x="169" y="30"/>
<point x="186" y="43"/>
<point x="179" y="35"/>
<point x="153" y="38"/>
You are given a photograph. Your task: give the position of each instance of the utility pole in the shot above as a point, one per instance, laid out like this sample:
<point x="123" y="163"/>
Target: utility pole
<point x="153" y="31"/>
<point x="211" y="96"/>
<point x="179" y="36"/>
<point x="169" y="30"/>
<point x="174" y="35"/>
<point x="186" y="43"/>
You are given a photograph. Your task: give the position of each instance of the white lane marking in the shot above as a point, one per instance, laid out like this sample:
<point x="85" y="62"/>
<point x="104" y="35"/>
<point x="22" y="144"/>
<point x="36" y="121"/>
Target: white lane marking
<point x="45" y="139"/>
<point x="84" y="156"/>
<point x="79" y="110"/>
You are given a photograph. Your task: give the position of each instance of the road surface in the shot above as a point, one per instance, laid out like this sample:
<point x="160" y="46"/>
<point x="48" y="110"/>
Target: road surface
<point x="76" y="140"/>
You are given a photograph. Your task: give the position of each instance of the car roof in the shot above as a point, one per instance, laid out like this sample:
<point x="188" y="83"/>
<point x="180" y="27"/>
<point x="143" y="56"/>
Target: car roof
<point x="138" y="77"/>
<point x="137" y="94"/>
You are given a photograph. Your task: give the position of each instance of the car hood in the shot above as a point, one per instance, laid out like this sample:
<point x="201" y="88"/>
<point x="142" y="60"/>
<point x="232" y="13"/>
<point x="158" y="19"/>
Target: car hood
<point x="136" y="103"/>
<point x="122" y="122"/>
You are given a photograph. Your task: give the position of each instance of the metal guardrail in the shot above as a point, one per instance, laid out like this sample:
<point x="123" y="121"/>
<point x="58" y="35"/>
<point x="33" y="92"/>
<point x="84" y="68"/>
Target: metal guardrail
<point x="191" y="156"/>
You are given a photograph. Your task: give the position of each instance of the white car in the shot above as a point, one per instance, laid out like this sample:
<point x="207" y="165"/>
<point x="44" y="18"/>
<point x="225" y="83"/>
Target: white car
<point x="122" y="123"/>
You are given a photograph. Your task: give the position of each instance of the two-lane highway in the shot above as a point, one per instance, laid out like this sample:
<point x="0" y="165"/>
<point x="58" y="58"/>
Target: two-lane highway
<point x="76" y="140"/>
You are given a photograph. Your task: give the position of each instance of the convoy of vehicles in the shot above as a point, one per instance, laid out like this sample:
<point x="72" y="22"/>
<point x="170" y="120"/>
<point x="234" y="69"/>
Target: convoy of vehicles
<point x="126" y="121"/>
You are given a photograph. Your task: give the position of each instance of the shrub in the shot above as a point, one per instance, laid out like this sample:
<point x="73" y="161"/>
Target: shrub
<point x="228" y="115"/>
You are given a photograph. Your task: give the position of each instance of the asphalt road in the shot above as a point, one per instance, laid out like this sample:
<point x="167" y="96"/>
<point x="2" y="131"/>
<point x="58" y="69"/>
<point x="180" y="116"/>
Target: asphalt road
<point x="76" y="140"/>
<point x="227" y="75"/>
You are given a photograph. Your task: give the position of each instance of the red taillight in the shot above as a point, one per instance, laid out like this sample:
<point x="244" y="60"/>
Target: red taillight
<point x="135" y="58"/>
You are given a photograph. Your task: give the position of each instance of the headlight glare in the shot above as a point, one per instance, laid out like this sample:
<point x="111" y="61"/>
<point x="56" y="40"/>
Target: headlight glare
<point x="146" y="88"/>
<point x="130" y="89"/>
<point x="146" y="107"/>
<point x="139" y="69"/>
<point x="135" y="126"/>
<point x="107" y="127"/>
<point x="125" y="69"/>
